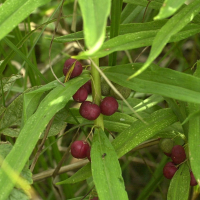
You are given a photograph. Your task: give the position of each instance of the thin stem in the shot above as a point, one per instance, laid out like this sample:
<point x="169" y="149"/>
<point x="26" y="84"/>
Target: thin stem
<point x="96" y="90"/>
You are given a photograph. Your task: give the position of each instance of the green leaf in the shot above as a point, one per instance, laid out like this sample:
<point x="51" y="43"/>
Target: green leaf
<point x="123" y="29"/>
<point x="180" y="184"/>
<point x="34" y="126"/>
<point x="13" y="12"/>
<point x="81" y="175"/>
<point x="194" y="134"/>
<point x="17" y="194"/>
<point x="106" y="170"/>
<point x="173" y="26"/>
<point x="7" y="82"/>
<point x="139" y="132"/>
<point x="157" y="80"/>
<point x="94" y="13"/>
<point x="168" y="8"/>
<point x="139" y="39"/>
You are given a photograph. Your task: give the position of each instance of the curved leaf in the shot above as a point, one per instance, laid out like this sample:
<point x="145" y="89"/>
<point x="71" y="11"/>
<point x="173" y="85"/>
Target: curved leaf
<point x="106" y="170"/>
<point x="94" y="13"/>
<point x="32" y="130"/>
<point x="168" y="8"/>
<point x="13" y="12"/>
<point x="173" y="26"/>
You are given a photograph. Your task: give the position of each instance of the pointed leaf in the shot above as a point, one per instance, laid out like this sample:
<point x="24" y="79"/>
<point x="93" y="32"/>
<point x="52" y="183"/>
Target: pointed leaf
<point x="106" y="170"/>
<point x="180" y="184"/>
<point x="173" y="26"/>
<point x="94" y="13"/>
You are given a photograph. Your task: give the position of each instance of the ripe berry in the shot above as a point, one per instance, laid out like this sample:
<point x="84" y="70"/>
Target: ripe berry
<point x="169" y="170"/>
<point x="166" y="145"/>
<point x="95" y="198"/>
<point x="88" y="86"/>
<point x="77" y="68"/>
<point x="178" y="154"/>
<point x="125" y="92"/>
<point x="81" y="95"/>
<point x="108" y="106"/>
<point x="79" y="149"/>
<point x="89" y="110"/>
<point x="193" y="181"/>
<point x="88" y="154"/>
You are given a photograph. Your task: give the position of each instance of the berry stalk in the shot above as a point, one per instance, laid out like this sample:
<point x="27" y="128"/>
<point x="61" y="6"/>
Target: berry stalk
<point x="96" y="89"/>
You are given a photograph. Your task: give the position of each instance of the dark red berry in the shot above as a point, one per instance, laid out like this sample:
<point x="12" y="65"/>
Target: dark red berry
<point x="77" y="68"/>
<point x="178" y="154"/>
<point x="169" y="170"/>
<point x="89" y="110"/>
<point x="95" y="198"/>
<point x="108" y="106"/>
<point x="81" y="95"/>
<point x="193" y="181"/>
<point x="88" y="154"/>
<point x="88" y="86"/>
<point x="79" y="149"/>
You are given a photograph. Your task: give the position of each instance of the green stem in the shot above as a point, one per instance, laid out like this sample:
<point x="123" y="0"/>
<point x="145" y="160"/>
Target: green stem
<point x="96" y="90"/>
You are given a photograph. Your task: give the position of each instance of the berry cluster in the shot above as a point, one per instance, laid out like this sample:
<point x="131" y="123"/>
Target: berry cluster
<point x="89" y="110"/>
<point x="178" y="155"/>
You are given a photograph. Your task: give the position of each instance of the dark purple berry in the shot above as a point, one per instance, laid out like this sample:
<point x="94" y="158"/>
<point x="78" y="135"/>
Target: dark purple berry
<point x="108" y="106"/>
<point x="178" y="154"/>
<point x="193" y="181"/>
<point x="89" y="110"/>
<point x="79" y="149"/>
<point x="77" y="68"/>
<point x="81" y="95"/>
<point x="88" y="86"/>
<point x="169" y="170"/>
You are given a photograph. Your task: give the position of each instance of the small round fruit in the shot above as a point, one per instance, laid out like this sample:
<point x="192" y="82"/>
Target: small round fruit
<point x="125" y="92"/>
<point x="178" y="154"/>
<point x="77" y="68"/>
<point x="79" y="149"/>
<point x="81" y="95"/>
<point x="193" y="181"/>
<point x="108" y="106"/>
<point x="88" y="86"/>
<point x="89" y="110"/>
<point x="95" y="198"/>
<point x="169" y="170"/>
<point x="105" y="88"/>
<point x="166" y="145"/>
<point x="88" y="154"/>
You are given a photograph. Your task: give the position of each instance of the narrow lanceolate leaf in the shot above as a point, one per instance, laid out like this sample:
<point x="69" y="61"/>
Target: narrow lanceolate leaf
<point x="194" y="134"/>
<point x="168" y="8"/>
<point x="94" y="13"/>
<point x="157" y="80"/>
<point x="139" y="132"/>
<point x="106" y="170"/>
<point x="173" y="26"/>
<point x="80" y="175"/>
<point x="139" y="39"/>
<point x="13" y="12"/>
<point x="180" y="184"/>
<point x="32" y="130"/>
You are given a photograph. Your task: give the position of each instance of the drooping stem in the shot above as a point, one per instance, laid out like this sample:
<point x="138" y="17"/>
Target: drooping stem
<point x="96" y="90"/>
